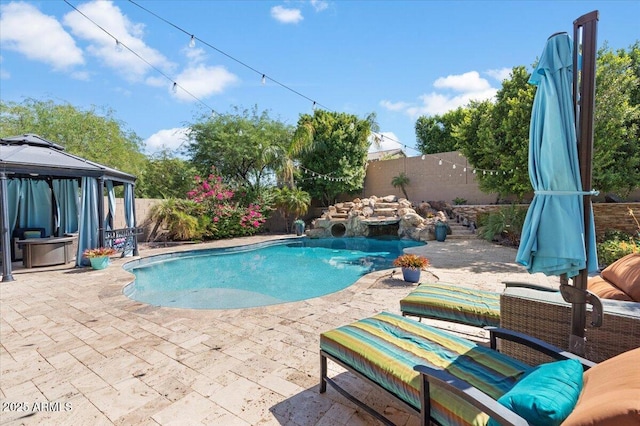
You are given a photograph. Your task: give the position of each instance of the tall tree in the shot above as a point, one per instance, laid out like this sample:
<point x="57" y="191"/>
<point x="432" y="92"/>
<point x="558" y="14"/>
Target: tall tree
<point x="245" y="147"/>
<point x="495" y="138"/>
<point x="165" y="176"/>
<point x="333" y="149"/>
<point x="616" y="155"/>
<point x="94" y="134"/>
<point x="435" y="134"/>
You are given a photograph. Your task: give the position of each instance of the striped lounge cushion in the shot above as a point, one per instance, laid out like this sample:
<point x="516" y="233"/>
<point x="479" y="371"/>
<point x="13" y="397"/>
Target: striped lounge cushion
<point x="386" y="347"/>
<point x="453" y="303"/>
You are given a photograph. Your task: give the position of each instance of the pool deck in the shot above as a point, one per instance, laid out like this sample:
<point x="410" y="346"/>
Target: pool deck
<point x="75" y="350"/>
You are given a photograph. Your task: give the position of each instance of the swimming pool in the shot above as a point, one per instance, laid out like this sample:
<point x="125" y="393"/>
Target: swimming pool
<point x="259" y="274"/>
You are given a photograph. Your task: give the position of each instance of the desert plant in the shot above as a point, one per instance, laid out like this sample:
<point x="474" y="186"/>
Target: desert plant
<point x="412" y="261"/>
<point x="458" y="201"/>
<point x="505" y="224"/>
<point x="98" y="252"/>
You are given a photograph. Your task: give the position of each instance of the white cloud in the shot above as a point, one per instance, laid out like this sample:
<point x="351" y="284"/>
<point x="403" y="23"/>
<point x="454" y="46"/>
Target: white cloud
<point x="454" y="91"/>
<point x="101" y="45"/>
<point x="202" y="81"/>
<point x="467" y="82"/>
<point x="500" y="74"/>
<point x="169" y="138"/>
<point x="286" y="16"/>
<point x="386" y="141"/>
<point x="37" y="36"/>
<point x="319" y="5"/>
<point x="394" y="106"/>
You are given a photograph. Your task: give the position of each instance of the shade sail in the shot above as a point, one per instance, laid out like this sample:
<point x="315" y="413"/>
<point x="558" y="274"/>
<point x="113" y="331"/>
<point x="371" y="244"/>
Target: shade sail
<point x="552" y="240"/>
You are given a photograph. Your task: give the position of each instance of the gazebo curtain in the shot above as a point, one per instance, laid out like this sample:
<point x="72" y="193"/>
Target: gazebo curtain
<point x="111" y="204"/>
<point x="65" y="192"/>
<point x="13" y="198"/>
<point x="89" y="222"/>
<point x="130" y="218"/>
<point x="34" y="207"/>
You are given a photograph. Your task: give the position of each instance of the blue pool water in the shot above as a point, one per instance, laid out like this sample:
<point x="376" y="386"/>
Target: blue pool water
<point x="259" y="274"/>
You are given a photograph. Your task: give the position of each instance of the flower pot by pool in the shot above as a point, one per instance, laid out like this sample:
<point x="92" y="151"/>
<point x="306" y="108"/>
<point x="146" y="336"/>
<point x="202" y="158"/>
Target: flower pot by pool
<point x="411" y="275"/>
<point x="99" y="262"/>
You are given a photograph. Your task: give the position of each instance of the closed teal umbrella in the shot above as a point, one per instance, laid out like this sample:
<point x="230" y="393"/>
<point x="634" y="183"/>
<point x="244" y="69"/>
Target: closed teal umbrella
<point x="552" y="240"/>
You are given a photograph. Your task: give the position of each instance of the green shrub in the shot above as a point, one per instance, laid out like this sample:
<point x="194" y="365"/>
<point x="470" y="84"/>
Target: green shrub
<point x="504" y="225"/>
<point x="459" y="201"/>
<point x="615" y="245"/>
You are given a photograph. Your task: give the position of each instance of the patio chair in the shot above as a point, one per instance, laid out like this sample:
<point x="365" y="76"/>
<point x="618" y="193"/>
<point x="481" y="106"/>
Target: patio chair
<point x="449" y="380"/>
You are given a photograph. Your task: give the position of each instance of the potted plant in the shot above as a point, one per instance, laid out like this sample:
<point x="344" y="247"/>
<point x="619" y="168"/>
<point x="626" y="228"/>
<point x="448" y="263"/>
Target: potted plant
<point x="99" y="257"/>
<point x="299" y="226"/>
<point x="411" y="265"/>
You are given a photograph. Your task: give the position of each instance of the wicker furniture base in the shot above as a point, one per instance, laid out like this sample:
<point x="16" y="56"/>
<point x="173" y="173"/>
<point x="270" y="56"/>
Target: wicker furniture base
<point x="548" y="317"/>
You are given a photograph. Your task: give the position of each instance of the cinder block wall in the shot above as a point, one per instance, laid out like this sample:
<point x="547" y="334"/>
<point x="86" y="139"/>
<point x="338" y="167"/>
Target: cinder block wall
<point x="431" y="179"/>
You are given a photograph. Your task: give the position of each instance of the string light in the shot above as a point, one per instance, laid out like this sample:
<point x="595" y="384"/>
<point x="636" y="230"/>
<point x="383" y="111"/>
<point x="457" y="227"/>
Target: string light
<point x="175" y="85"/>
<point x="122" y="45"/>
<point x="228" y="55"/>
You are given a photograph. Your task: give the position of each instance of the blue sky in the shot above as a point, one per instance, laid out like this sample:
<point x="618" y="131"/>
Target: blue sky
<point x="397" y="59"/>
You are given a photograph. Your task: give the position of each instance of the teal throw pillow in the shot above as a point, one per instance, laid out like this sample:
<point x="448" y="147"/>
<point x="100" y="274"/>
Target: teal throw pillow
<point x="547" y="394"/>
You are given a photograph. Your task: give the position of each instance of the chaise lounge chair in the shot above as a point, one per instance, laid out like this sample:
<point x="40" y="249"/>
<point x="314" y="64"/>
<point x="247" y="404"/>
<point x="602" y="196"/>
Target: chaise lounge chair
<point x="449" y="380"/>
<point x="454" y="303"/>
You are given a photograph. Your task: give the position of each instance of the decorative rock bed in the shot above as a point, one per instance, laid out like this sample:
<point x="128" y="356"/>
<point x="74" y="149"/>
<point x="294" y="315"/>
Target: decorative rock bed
<point x="377" y="216"/>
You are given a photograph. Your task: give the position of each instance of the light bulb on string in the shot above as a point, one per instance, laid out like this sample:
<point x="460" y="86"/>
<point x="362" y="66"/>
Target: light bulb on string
<point x="454" y="166"/>
<point x="192" y="42"/>
<point x="118" y="46"/>
<point x="423" y="156"/>
<point x="464" y="170"/>
<point x="263" y="80"/>
<point x="174" y="88"/>
<point x="440" y="162"/>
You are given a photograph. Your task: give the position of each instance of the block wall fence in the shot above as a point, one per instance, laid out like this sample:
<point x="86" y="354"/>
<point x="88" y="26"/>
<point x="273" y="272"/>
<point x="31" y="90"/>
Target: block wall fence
<point x="437" y="177"/>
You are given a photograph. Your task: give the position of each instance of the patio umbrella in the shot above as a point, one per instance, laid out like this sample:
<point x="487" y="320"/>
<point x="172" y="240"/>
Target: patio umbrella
<point x="553" y="238"/>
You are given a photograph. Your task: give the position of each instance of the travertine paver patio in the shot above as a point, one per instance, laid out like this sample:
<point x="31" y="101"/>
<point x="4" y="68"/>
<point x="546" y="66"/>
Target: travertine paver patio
<point x="75" y="350"/>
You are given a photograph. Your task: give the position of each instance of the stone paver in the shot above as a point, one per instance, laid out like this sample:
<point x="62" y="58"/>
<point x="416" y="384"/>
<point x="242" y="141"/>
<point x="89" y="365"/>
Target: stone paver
<point x="75" y="350"/>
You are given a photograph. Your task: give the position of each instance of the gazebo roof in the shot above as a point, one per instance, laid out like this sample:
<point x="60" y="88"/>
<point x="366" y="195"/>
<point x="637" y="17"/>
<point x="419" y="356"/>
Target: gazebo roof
<point x="30" y="156"/>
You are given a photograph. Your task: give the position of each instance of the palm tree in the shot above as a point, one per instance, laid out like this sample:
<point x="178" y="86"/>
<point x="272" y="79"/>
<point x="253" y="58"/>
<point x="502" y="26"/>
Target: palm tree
<point x="402" y="180"/>
<point x="292" y="201"/>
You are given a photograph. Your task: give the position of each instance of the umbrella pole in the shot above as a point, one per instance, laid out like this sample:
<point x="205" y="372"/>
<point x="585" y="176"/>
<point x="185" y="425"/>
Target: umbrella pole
<point x="584" y="31"/>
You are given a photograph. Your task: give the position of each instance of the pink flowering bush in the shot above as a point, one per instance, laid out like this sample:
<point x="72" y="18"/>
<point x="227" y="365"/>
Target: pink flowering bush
<point x="227" y="217"/>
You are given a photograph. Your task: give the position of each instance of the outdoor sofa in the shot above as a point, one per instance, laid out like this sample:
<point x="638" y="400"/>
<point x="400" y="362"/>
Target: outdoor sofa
<point x="449" y="380"/>
<point x="547" y="316"/>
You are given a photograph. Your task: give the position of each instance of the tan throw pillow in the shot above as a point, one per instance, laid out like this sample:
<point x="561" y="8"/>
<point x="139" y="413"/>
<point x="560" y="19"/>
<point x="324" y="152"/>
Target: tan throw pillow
<point x="605" y="290"/>
<point x="625" y="274"/>
<point x="611" y="393"/>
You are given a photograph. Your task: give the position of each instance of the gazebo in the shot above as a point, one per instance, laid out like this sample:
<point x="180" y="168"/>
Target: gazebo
<point x="43" y="187"/>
